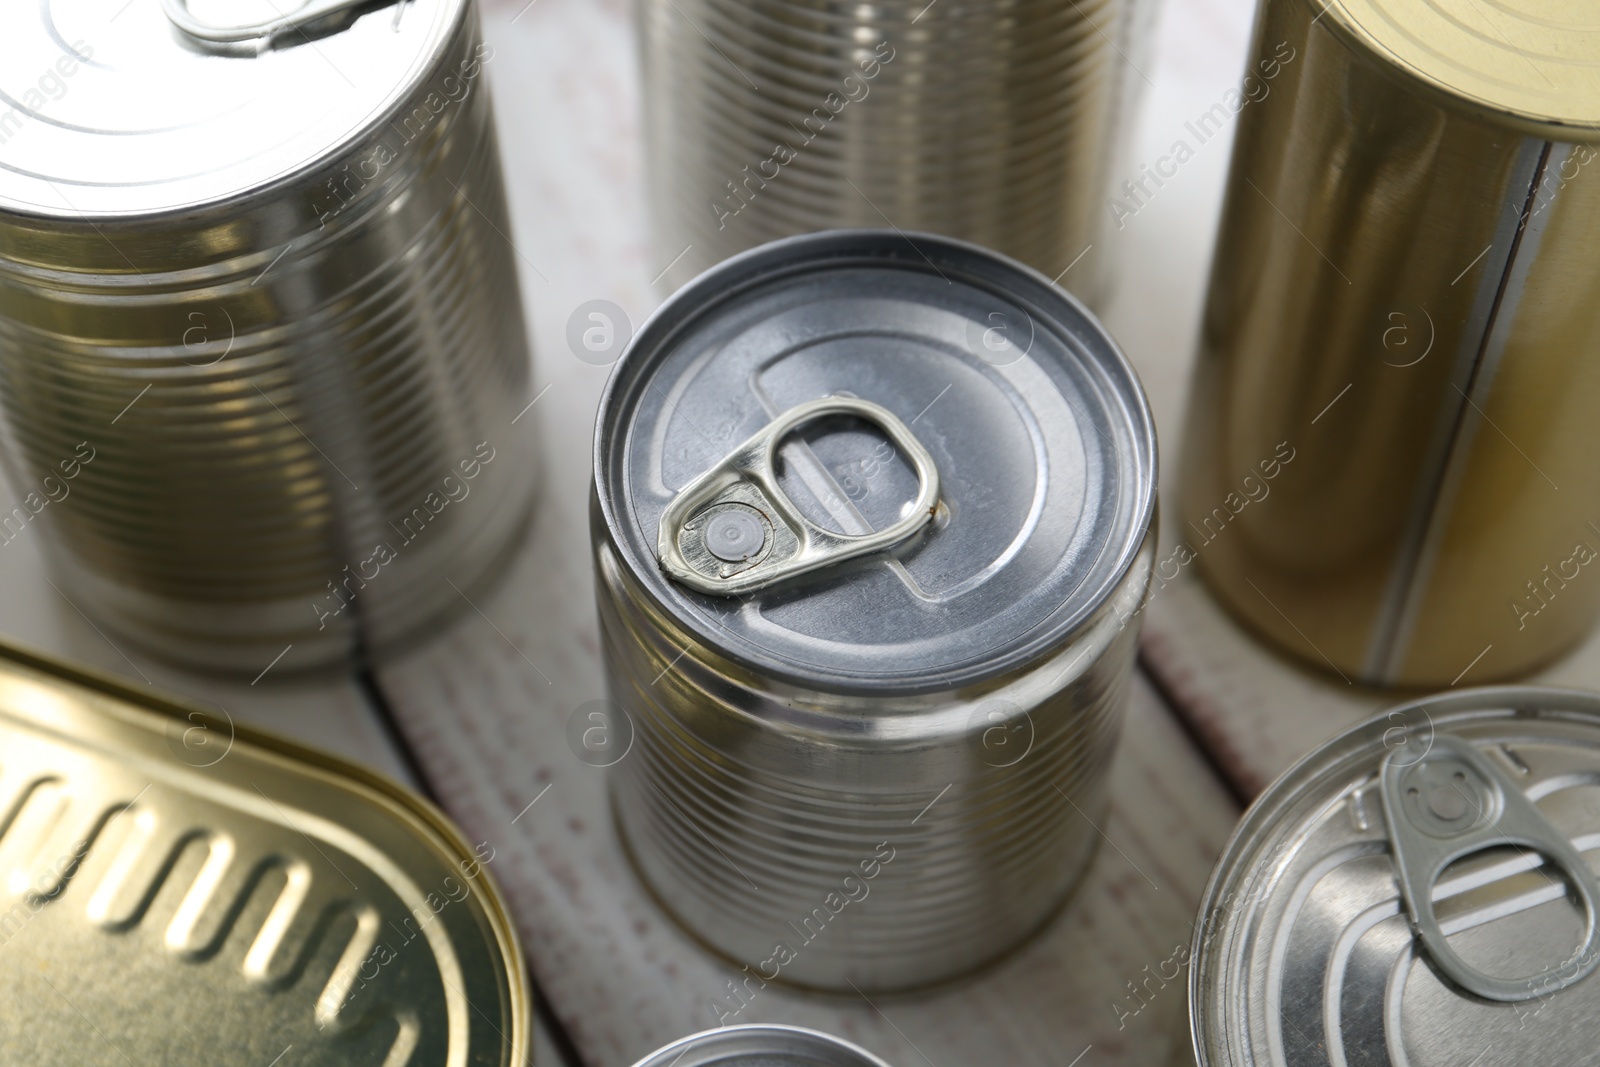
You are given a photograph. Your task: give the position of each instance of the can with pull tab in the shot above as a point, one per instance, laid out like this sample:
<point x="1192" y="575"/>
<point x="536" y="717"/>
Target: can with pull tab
<point x="1420" y="890"/>
<point x="872" y="525"/>
<point x="261" y="343"/>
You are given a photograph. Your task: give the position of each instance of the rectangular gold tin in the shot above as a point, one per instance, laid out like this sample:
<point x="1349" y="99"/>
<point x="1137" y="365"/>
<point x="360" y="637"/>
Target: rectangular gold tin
<point x="175" y="889"/>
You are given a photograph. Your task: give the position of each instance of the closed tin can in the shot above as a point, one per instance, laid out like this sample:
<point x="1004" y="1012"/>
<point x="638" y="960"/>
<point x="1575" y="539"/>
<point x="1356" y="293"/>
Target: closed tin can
<point x="992" y="121"/>
<point x="182" y="891"/>
<point x="761" y="1046"/>
<point x="260" y="334"/>
<point x="1420" y="890"/>
<point x="872" y="522"/>
<point x="1404" y="301"/>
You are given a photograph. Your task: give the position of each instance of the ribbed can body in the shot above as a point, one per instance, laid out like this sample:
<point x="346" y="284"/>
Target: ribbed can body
<point x="1391" y="455"/>
<point x="287" y="414"/>
<point x="828" y="839"/>
<point x="997" y="122"/>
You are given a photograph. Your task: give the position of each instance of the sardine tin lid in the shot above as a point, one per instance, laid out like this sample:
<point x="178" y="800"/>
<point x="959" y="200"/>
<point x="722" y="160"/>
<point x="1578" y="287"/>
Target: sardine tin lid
<point x="1311" y="946"/>
<point x="761" y="1046"/>
<point x="1037" y="425"/>
<point x="176" y="890"/>
<point x="107" y="108"/>
<point x="1535" y="63"/>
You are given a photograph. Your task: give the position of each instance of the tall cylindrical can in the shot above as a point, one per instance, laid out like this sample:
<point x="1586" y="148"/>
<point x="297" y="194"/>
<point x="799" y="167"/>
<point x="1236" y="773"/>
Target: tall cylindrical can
<point x="994" y="122"/>
<point x="261" y="343"/>
<point x="873" y="520"/>
<point x="1403" y="327"/>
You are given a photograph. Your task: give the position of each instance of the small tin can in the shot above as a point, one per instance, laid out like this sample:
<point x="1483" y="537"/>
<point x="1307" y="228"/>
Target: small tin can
<point x="761" y="1046"/>
<point x="872" y="522"/>
<point x="183" y="891"/>
<point x="1420" y="890"/>
<point x="1403" y="302"/>
<point x="261" y="344"/>
<point x="992" y="121"/>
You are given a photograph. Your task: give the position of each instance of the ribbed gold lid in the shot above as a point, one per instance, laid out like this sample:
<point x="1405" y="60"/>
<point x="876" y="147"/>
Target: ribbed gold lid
<point x="1535" y="62"/>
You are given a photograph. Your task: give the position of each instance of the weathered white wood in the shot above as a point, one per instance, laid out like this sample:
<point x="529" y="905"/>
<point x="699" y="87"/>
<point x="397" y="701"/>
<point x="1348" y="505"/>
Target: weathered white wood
<point x="1256" y="711"/>
<point x="487" y="706"/>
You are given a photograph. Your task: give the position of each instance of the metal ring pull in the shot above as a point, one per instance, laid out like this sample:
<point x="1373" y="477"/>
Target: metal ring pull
<point x="1451" y="803"/>
<point x="733" y="529"/>
<point x="266" y="31"/>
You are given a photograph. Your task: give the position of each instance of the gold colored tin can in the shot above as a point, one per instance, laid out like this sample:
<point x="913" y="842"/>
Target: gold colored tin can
<point x="1403" y="326"/>
<point x="177" y="890"/>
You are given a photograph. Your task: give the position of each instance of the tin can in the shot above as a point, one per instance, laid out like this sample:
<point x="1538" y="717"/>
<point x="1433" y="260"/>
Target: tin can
<point x="994" y="122"/>
<point x="1419" y="890"/>
<point x="184" y="891"/>
<point x="872" y="525"/>
<point x="260" y="333"/>
<point x="761" y="1046"/>
<point x="1403" y="301"/>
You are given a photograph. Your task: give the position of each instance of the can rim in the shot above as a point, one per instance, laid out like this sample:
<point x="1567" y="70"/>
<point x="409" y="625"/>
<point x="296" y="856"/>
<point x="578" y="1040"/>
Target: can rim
<point x="855" y="247"/>
<point x="780" y="1038"/>
<point x="1368" y="46"/>
<point x="1294" y="784"/>
<point x="464" y="17"/>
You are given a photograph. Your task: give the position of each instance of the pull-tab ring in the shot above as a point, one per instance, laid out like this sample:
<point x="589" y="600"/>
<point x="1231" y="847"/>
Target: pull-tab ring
<point x="733" y="529"/>
<point x="1452" y="803"/>
<point x="261" y="33"/>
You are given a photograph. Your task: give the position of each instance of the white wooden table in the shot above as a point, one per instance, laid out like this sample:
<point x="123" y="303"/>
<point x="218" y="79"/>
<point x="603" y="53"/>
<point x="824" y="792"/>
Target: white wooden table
<point x="477" y="717"/>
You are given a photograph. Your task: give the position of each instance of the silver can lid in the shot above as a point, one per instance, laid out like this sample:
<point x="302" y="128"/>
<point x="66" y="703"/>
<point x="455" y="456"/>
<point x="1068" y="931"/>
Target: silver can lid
<point x="761" y="1046"/>
<point x="108" y="108"/>
<point x="1418" y="891"/>
<point x="1001" y="496"/>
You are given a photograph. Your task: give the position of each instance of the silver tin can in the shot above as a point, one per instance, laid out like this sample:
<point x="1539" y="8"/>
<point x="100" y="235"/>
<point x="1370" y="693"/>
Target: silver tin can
<point x="261" y="343"/>
<point x="1420" y="890"/>
<point x="873" y="520"/>
<point x="761" y="1046"/>
<point x="995" y="121"/>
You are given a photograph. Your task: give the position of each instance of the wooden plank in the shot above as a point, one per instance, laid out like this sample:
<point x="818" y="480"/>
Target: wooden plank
<point x="1257" y="712"/>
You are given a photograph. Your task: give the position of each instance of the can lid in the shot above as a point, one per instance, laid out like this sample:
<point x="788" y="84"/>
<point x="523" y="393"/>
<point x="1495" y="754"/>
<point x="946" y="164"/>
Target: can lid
<point x="179" y="890"/>
<point x="1420" y="890"/>
<point x="1533" y="60"/>
<point x="761" y="1046"/>
<point x="109" y="108"/>
<point x="928" y="364"/>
